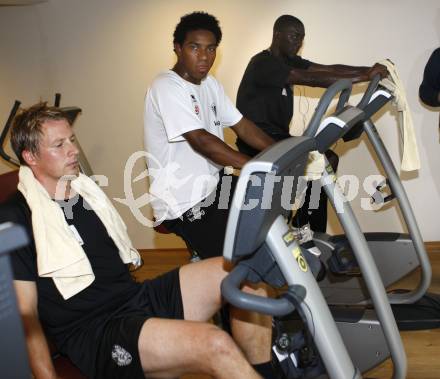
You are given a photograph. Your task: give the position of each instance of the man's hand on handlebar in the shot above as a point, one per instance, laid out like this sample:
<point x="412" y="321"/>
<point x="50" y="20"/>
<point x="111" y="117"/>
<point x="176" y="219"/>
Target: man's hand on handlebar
<point x="377" y="69"/>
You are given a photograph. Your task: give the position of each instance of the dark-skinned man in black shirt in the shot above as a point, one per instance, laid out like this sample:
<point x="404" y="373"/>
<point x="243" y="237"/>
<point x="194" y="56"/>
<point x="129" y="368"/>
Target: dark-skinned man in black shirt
<point x="265" y="96"/>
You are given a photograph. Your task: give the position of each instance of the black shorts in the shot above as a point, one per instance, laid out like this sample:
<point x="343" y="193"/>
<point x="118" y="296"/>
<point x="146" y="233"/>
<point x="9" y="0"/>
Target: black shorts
<point x="204" y="230"/>
<point x="118" y="354"/>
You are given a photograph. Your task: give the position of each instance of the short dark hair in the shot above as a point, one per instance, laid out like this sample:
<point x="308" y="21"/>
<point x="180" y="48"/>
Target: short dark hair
<point x="287" y="20"/>
<point x="196" y="21"/>
<point x="27" y="127"/>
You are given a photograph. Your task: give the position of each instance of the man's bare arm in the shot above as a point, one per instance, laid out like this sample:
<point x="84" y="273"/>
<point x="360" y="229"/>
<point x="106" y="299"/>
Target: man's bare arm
<point x="318" y="75"/>
<point x="252" y="135"/>
<point x="213" y="148"/>
<point x="38" y="350"/>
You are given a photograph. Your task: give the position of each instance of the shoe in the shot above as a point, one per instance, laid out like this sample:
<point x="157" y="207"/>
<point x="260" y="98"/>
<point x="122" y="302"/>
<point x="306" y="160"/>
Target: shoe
<point x="311" y="248"/>
<point x="303" y="233"/>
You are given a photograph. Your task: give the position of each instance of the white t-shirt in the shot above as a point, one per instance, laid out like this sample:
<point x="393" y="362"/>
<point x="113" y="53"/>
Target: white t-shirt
<point x="179" y="176"/>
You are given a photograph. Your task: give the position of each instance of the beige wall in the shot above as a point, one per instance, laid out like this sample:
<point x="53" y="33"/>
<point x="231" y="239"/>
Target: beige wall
<point x="22" y="73"/>
<point x="102" y="54"/>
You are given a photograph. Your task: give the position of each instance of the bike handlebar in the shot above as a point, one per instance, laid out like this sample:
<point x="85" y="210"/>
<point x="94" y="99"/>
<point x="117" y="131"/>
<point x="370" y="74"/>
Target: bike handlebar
<point x="230" y="288"/>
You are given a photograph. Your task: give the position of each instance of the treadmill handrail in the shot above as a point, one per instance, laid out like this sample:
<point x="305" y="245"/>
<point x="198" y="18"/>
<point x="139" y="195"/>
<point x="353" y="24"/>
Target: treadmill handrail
<point x="369" y="271"/>
<point x="335" y="126"/>
<point x="343" y="86"/>
<point x="372" y="99"/>
<point x="376" y="99"/>
<point x="372" y="86"/>
<point x="408" y="215"/>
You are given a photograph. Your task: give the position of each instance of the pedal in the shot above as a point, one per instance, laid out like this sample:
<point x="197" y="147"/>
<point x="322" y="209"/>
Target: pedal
<point x="295" y="358"/>
<point x="343" y="262"/>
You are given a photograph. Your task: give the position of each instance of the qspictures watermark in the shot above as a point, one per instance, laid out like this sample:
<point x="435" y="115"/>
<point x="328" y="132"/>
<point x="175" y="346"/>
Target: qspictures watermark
<point x="290" y="197"/>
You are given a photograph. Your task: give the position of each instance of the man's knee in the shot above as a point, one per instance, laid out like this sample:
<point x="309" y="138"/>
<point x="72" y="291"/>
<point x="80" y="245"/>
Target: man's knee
<point x="219" y="342"/>
<point x="215" y="349"/>
<point x="259" y="289"/>
<point x="222" y="357"/>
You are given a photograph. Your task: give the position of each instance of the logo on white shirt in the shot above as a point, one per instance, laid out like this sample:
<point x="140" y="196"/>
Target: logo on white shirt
<point x="196" y="106"/>
<point x="214" y="109"/>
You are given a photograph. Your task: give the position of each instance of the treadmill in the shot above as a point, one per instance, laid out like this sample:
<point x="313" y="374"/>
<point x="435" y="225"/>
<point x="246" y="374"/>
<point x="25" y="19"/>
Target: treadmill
<point x="396" y="254"/>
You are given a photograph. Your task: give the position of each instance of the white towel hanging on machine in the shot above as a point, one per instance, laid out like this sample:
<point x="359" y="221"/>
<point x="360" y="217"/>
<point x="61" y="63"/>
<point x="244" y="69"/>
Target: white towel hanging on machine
<point x="410" y="156"/>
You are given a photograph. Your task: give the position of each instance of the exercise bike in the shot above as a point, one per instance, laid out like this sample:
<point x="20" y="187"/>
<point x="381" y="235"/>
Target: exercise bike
<point x="263" y="247"/>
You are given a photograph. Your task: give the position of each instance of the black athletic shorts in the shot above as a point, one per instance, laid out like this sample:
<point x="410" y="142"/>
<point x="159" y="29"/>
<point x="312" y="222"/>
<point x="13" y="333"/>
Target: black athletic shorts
<point x="118" y="355"/>
<point x="203" y="228"/>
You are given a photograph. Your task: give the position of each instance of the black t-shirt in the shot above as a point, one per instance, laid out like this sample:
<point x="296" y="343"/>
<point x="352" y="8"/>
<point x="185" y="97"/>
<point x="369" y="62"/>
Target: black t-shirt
<point x="265" y="97"/>
<point x="430" y="87"/>
<point x="83" y="314"/>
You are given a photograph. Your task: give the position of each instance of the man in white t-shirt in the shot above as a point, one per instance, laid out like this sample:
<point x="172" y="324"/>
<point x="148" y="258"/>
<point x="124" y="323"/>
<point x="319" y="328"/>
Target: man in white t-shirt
<point x="186" y="110"/>
<point x="185" y="113"/>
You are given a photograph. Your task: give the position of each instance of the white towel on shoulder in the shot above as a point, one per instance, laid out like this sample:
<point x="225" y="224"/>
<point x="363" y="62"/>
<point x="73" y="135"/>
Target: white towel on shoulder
<point x="410" y="156"/>
<point x="59" y="254"/>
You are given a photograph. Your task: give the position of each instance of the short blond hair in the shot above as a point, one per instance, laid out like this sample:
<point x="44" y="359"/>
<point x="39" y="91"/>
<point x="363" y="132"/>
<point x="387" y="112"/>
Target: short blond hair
<point x="26" y="128"/>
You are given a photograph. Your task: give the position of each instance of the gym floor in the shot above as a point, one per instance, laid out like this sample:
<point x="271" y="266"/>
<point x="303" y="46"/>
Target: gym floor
<point x="422" y="347"/>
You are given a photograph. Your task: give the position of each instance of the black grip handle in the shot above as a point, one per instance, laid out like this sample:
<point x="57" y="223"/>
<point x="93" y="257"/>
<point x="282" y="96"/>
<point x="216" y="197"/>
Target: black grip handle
<point x="230" y="288"/>
<point x="369" y="92"/>
<point x="5" y="131"/>
<point x="57" y="100"/>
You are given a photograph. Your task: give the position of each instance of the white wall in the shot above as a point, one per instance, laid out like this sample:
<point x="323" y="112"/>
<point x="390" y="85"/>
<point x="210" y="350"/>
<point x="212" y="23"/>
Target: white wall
<point x="22" y="72"/>
<point x="102" y="54"/>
